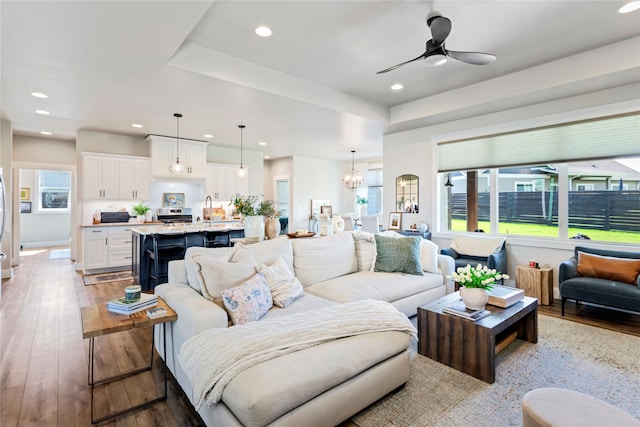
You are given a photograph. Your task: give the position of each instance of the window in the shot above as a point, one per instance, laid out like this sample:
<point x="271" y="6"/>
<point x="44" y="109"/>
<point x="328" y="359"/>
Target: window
<point x="584" y="187"/>
<point x="53" y="191"/>
<point x="524" y="186"/>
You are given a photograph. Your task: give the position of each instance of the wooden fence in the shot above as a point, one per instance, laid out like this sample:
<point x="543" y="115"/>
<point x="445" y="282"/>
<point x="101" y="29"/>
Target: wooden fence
<point x="593" y="210"/>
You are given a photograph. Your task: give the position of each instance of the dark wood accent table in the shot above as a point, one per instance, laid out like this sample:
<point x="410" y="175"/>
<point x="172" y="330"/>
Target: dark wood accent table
<point x="97" y="321"/>
<point x="471" y="347"/>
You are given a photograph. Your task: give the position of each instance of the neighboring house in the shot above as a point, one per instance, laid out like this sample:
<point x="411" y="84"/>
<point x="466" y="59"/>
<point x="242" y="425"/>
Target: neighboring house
<point x="600" y="175"/>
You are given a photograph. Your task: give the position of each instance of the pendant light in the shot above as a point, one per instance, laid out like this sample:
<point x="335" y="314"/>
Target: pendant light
<point x="177" y="167"/>
<point x="353" y="179"/>
<point x="241" y="171"/>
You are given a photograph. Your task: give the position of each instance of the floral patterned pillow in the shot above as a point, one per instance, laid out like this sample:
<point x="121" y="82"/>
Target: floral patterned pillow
<point x="249" y="301"/>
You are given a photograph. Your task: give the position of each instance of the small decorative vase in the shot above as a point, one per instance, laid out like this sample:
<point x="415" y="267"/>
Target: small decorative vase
<point x="272" y="228"/>
<point x="148" y="217"/>
<point x="474" y="298"/>
<point x="337" y="223"/>
<point x="140" y="218"/>
<point x="254" y="228"/>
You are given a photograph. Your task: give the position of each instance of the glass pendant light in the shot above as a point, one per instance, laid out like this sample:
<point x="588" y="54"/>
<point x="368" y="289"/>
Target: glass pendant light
<point x="241" y="172"/>
<point x="177" y="167"/>
<point x="353" y="179"/>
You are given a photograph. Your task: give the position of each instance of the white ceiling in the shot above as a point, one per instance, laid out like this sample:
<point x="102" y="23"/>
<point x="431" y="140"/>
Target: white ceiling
<point x="309" y="90"/>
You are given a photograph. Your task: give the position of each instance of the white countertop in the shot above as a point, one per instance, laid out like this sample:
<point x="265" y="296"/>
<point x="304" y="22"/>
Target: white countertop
<point x="143" y="229"/>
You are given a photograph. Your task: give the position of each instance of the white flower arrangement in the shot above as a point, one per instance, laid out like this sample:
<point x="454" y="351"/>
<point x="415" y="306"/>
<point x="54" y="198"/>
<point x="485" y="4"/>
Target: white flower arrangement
<point x="477" y="277"/>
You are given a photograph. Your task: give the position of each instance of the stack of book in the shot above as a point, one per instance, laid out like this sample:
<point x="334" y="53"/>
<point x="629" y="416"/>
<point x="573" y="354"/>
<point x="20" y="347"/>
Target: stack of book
<point x="505" y="296"/>
<point x="125" y="306"/>
<point x="459" y="309"/>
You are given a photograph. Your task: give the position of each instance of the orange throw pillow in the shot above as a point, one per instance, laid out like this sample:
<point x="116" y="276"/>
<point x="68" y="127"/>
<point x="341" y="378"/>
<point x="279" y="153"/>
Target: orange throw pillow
<point x="625" y="270"/>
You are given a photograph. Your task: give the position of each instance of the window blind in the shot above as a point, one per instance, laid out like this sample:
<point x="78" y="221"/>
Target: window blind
<point x="616" y="136"/>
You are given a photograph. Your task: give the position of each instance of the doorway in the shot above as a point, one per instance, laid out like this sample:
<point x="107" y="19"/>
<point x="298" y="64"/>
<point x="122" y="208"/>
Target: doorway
<point x="282" y="196"/>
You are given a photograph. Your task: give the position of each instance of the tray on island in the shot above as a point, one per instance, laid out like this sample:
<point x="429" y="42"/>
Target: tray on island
<point x="295" y="235"/>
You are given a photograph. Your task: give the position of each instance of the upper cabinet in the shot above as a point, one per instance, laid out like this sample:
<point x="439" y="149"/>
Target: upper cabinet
<point x="115" y="177"/>
<point x="99" y="177"/>
<point x="164" y="151"/>
<point x="135" y="179"/>
<point x="223" y="183"/>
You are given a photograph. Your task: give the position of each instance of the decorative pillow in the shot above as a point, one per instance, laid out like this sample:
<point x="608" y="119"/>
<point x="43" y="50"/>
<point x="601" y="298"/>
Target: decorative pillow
<point x="194" y="279"/>
<point x="249" y="301"/>
<point x="429" y="256"/>
<point x="323" y="258"/>
<point x="475" y="245"/>
<point x="267" y="251"/>
<point x="218" y="275"/>
<point x="243" y="255"/>
<point x="625" y="270"/>
<point x="284" y="286"/>
<point x="365" y="249"/>
<point x="398" y="254"/>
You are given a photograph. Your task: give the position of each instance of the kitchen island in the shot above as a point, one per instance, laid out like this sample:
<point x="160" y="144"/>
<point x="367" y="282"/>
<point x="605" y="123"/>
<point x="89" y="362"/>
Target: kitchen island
<point x="143" y="242"/>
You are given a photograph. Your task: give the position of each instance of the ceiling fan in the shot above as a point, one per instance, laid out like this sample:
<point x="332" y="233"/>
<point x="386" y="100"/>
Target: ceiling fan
<point x="440" y="29"/>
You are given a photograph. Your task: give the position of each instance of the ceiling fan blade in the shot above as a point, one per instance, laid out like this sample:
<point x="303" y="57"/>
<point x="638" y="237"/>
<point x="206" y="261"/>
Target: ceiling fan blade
<point x="475" y="58"/>
<point x="401" y="64"/>
<point x="440" y="29"/>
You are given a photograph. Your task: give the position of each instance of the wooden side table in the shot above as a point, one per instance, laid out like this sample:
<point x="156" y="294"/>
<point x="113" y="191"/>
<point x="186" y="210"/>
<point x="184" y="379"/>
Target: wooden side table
<point x="97" y="321"/>
<point x="536" y="282"/>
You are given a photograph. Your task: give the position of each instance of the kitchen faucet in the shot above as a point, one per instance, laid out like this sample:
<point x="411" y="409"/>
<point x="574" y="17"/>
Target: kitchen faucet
<point x="208" y="199"/>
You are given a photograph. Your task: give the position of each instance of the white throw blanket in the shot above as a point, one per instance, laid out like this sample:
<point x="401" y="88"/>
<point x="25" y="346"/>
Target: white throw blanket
<point x="214" y="357"/>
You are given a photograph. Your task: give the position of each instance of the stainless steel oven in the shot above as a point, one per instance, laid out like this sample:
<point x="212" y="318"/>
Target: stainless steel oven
<point x="175" y="215"/>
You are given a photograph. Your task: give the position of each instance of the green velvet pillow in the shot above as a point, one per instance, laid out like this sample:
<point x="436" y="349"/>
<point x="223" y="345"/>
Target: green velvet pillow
<point x="398" y="254"/>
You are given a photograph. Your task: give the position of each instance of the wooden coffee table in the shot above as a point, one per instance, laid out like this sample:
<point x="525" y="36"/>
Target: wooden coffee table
<point x="471" y="347"/>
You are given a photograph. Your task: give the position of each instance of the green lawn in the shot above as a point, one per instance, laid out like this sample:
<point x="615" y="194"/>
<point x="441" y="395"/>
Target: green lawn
<point x="551" y="231"/>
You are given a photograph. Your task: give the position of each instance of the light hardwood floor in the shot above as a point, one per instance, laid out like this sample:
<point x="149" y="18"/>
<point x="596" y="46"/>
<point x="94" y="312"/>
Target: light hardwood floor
<point x="44" y="357"/>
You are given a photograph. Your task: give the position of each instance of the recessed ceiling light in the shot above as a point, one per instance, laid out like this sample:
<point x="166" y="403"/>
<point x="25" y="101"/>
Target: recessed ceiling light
<point x="262" y="143"/>
<point x="44" y="132"/>
<point x="267" y="157"/>
<point x="43" y="112"/>
<point x="136" y="125"/>
<point x="208" y="135"/>
<point x="264" y="31"/>
<point x="397" y="86"/>
<point x="630" y="7"/>
<point x="39" y="95"/>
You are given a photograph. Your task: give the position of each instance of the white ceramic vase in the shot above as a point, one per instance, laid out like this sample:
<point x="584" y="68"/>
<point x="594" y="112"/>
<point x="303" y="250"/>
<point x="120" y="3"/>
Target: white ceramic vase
<point x="337" y="223"/>
<point x="254" y="228"/>
<point x="140" y="218"/>
<point x="271" y="228"/>
<point x="474" y="298"/>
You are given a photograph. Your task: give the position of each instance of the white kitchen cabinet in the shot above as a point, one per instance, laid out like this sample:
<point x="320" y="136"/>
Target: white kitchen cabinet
<point x="99" y="177"/>
<point x="95" y="248"/>
<point x="107" y="247"/>
<point x="193" y="156"/>
<point x="223" y="183"/>
<point x="135" y="179"/>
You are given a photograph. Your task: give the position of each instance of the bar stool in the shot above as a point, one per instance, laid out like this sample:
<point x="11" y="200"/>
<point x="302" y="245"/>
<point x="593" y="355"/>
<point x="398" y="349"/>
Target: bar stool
<point x="166" y="247"/>
<point x="217" y="239"/>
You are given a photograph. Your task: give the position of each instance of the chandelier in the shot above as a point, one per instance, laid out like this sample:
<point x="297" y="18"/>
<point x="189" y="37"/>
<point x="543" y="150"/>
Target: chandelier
<point x="241" y="171"/>
<point x="177" y="167"/>
<point x="353" y="179"/>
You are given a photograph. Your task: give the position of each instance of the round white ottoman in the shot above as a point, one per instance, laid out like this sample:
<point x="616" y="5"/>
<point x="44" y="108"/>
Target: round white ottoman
<point x="566" y="408"/>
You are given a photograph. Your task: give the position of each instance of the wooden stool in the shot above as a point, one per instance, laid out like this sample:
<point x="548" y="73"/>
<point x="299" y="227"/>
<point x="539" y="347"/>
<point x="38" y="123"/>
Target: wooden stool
<point x="550" y="407"/>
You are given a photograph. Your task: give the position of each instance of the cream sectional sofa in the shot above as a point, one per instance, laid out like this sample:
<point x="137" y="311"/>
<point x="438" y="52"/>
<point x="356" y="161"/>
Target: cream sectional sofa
<point x="321" y="385"/>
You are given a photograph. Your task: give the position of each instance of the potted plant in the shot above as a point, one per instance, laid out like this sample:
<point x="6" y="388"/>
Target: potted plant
<point x="475" y="282"/>
<point x="361" y="202"/>
<point x="269" y="209"/>
<point x="141" y="211"/>
<point x="253" y="221"/>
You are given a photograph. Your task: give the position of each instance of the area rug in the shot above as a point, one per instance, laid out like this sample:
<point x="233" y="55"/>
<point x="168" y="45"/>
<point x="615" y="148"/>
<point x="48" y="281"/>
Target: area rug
<point x="94" y="279"/>
<point x="602" y="363"/>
